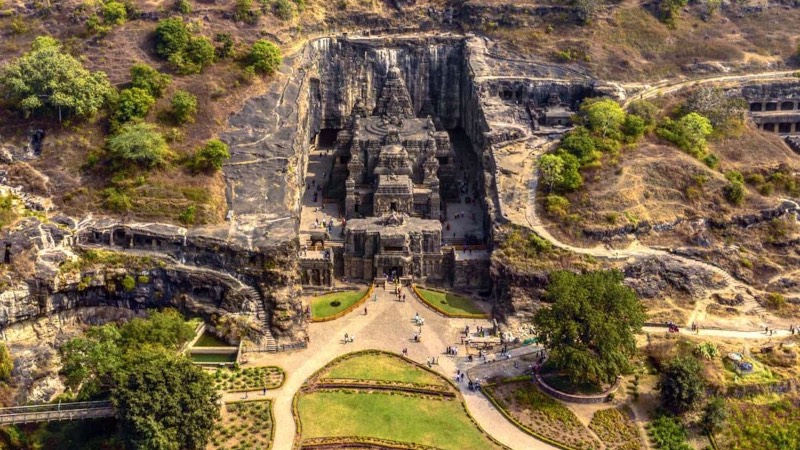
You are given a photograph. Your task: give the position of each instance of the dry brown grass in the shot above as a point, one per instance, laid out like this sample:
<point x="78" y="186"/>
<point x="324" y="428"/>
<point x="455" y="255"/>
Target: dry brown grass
<point x="628" y="43"/>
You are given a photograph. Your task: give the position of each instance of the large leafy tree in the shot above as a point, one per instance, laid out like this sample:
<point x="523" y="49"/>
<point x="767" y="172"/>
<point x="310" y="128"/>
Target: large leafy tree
<point x="681" y="384"/>
<point x="133" y="103"/>
<point x="551" y="167"/>
<point x="48" y="79"/>
<point x="603" y="116"/>
<point x="589" y="328"/>
<point x="164" y="402"/>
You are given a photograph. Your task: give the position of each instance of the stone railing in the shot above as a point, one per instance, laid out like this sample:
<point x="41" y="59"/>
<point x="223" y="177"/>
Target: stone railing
<point x="578" y="398"/>
<point x="58" y="412"/>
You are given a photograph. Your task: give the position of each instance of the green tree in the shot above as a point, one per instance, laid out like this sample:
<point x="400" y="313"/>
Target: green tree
<point x="133" y="103"/>
<point x="149" y="79"/>
<point x="211" y="156"/>
<point x="681" y="384"/>
<point x="265" y="57"/>
<point x="199" y="54"/>
<point x="646" y="110"/>
<point x="164" y="403"/>
<point x="714" y="415"/>
<point x="590" y="325"/>
<point x="6" y="363"/>
<point x="172" y="36"/>
<point x="586" y="9"/>
<point x="581" y="144"/>
<point x="183" y="107"/>
<point x="550" y="167"/>
<point x="244" y="12"/>
<point x="114" y="13"/>
<point x="725" y="112"/>
<point x="571" y="178"/>
<point x="166" y="328"/>
<point x="48" y="79"/>
<point x="634" y="127"/>
<point x="689" y="133"/>
<point x="183" y="6"/>
<point x="138" y="143"/>
<point x="603" y="116"/>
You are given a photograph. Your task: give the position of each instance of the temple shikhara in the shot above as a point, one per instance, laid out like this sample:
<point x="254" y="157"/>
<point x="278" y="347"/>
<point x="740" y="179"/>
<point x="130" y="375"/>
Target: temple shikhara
<point x="396" y="164"/>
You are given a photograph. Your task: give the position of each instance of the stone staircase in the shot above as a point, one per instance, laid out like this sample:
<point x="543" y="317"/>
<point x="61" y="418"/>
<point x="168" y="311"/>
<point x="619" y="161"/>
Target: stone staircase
<point x="261" y="314"/>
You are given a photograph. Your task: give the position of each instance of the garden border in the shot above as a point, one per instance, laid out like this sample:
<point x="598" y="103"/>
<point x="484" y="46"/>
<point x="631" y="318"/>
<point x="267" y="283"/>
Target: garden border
<point x="298" y="438"/>
<point x="283" y="380"/>
<point x="271" y="414"/>
<point x="440" y="311"/>
<point x="517" y="424"/>
<point x="347" y="310"/>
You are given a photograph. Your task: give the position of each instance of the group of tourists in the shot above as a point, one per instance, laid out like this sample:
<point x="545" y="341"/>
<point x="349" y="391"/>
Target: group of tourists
<point x="349" y="338"/>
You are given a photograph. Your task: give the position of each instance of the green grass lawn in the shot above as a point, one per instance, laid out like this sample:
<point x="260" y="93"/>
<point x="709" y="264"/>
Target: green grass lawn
<point x="450" y="303"/>
<point x="438" y="423"/>
<point x="379" y="366"/>
<point x="330" y="304"/>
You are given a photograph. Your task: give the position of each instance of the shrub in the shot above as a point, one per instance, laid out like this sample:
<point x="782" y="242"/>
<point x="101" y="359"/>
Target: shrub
<point x="634" y="127"/>
<point x="711" y="160"/>
<point x="114" y="13"/>
<point x="151" y="80"/>
<point x="646" y="110"/>
<point x="187" y="216"/>
<point x="557" y="206"/>
<point x="226" y="48"/>
<point x="183" y="107"/>
<point x="244" y="12"/>
<point x="775" y="301"/>
<point x="133" y="103"/>
<point x="734" y="176"/>
<point x="198" y="54"/>
<point x="172" y="36"/>
<point x="734" y="192"/>
<point x="265" y="57"/>
<point x="183" y="6"/>
<point x="669" y="434"/>
<point x="284" y="9"/>
<point x="689" y="133"/>
<point x="211" y="156"/>
<point x="6" y="363"/>
<point x="128" y="283"/>
<point x="138" y="143"/>
<point x="116" y="200"/>
<point x="580" y="144"/>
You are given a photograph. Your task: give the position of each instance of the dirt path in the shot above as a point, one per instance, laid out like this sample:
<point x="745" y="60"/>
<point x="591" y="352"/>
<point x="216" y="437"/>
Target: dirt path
<point x="670" y="86"/>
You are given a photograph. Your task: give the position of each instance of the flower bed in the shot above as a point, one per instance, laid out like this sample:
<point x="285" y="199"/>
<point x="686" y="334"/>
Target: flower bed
<point x="616" y="429"/>
<point x="244" y="426"/>
<point x="540" y="415"/>
<point x="252" y="378"/>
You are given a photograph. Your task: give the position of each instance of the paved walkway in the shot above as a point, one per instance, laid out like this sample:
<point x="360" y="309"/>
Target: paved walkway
<point x="388" y="325"/>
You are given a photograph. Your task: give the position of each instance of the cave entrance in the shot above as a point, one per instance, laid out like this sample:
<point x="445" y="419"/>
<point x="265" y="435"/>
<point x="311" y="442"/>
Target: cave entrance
<point x="327" y="137"/>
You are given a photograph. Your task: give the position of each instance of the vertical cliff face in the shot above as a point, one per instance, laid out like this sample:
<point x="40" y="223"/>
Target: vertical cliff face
<point x="351" y="69"/>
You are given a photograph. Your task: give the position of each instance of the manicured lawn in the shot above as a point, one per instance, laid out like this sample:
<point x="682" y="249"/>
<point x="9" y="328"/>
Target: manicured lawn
<point x="330" y="304"/>
<point x="380" y="366"/>
<point x="450" y="303"/>
<point x="438" y="423"/>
